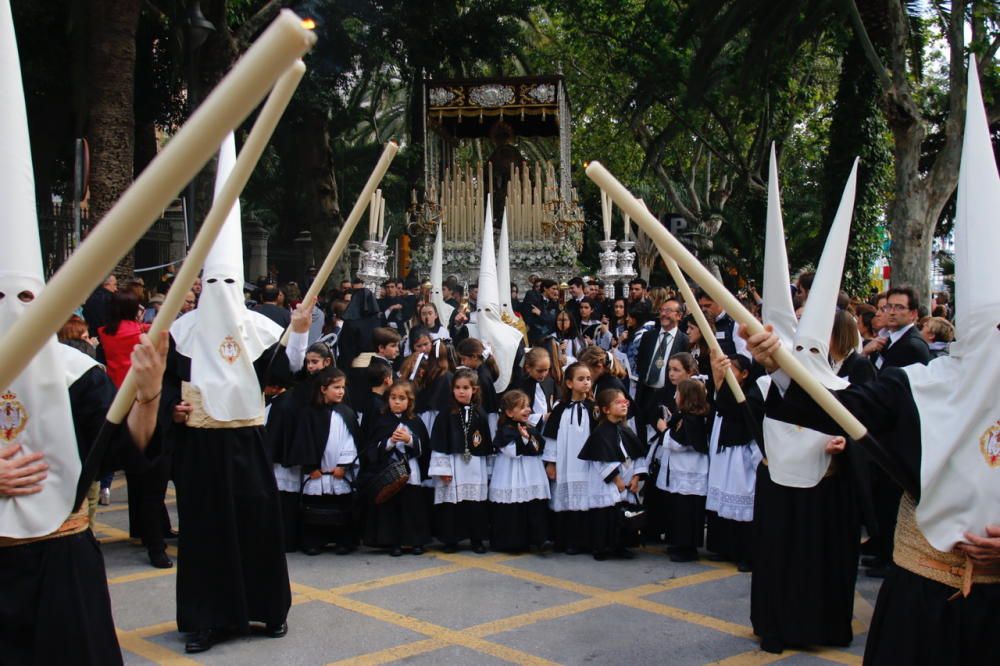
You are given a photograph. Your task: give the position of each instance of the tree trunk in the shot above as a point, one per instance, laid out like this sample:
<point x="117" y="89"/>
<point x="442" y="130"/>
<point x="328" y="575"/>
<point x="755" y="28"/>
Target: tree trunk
<point x="320" y="212"/>
<point x="111" y="128"/>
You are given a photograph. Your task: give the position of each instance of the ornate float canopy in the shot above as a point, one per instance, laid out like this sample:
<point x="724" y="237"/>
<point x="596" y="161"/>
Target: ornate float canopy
<point x="534" y="106"/>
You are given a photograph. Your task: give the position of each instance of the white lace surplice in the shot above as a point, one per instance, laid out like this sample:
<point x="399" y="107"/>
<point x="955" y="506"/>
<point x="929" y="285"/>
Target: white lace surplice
<point x="518" y="478"/>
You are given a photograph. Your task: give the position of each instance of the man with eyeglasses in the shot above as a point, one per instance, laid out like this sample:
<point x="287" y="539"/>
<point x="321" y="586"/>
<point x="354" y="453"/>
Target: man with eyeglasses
<point x="655" y="349"/>
<point x="899" y="343"/>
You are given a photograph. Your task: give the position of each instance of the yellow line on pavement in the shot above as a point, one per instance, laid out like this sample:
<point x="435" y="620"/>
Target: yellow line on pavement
<point x="752" y="658"/>
<point x="429" y="629"/>
<point x="133" y="642"/>
<point x="493" y="566"/>
<point x="397" y="579"/>
<point x="141" y="575"/>
<point x="392" y="654"/>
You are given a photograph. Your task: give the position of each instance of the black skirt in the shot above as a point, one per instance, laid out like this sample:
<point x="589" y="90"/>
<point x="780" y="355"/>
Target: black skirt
<point x="464" y="520"/>
<point x="402" y="521"/>
<point x="290" y="509"/>
<point x="730" y="539"/>
<point x="916" y="624"/>
<point x="686" y="520"/>
<point x="514" y="527"/>
<point x="571" y="529"/>
<point x="54" y="604"/>
<point x="231" y="555"/>
<point x="805" y="555"/>
<point x="605" y="529"/>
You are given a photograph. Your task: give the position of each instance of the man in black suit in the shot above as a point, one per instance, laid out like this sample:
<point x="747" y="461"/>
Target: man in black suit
<point x="655" y="349"/>
<point x="540" y="310"/>
<point x="577" y="292"/>
<point x="899" y="344"/>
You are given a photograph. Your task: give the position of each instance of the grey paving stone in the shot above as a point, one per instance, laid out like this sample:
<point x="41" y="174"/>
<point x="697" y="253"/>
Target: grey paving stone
<point x="144" y="602"/>
<point x="466" y="598"/>
<point x="727" y="599"/>
<point x="621" y="635"/>
<point x="610" y="574"/>
<point x="328" y="570"/>
<point x="318" y="633"/>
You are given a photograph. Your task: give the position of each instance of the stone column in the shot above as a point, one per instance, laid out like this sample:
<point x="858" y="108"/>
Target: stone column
<point x="255" y="240"/>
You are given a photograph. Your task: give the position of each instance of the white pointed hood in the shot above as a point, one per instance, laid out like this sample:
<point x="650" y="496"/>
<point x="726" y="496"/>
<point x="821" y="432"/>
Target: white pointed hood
<point x="502" y="338"/>
<point x="222" y="337"/>
<point x="35" y="408"/>
<point x="956" y="395"/>
<point x="812" y="336"/>
<point x="503" y="268"/>
<point x="489" y="284"/>
<point x="777" y="308"/>
<point x="797" y="456"/>
<point x="437" y="280"/>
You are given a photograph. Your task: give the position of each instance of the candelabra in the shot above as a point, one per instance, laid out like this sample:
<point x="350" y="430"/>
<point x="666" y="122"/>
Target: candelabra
<point x="626" y="259"/>
<point x="373" y="260"/>
<point x="609" y="267"/>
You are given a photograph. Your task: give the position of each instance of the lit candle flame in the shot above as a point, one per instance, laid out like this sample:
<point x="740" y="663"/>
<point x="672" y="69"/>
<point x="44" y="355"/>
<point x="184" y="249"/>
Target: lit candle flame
<point x="308" y="24"/>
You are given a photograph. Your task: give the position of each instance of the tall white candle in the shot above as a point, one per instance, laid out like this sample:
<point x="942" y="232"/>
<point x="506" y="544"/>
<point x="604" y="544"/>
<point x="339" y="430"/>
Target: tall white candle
<point x="231" y="101"/>
<point x="606" y="214"/>
<point x="381" y="216"/>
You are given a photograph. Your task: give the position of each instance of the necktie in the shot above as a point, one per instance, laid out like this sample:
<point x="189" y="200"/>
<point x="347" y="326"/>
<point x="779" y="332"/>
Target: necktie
<point x="656" y="363"/>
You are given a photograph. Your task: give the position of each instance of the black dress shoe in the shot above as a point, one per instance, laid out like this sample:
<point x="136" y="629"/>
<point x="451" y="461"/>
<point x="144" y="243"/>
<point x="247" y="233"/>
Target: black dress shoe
<point x="450" y="548"/>
<point x="342" y="550"/>
<point x="312" y="551"/>
<point x="160" y="560"/>
<point x="744" y="567"/>
<point x="204" y="640"/>
<point x="418" y="550"/>
<point x="570" y="550"/>
<point x="684" y="555"/>
<point x="396" y="552"/>
<point x="600" y="557"/>
<point x="276" y="630"/>
<point x="625" y="554"/>
<point x="772" y="645"/>
<point x="478" y="548"/>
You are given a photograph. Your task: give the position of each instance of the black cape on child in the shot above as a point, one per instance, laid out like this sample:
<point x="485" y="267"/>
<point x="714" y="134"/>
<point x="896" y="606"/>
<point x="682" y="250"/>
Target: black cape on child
<point x="449" y="436"/>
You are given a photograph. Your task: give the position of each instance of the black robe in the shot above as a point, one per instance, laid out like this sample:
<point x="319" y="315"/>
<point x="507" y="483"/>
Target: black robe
<point x="609" y="443"/>
<point x="402" y="520"/>
<point x="797" y="532"/>
<point x="54" y="605"/>
<point x="466" y="519"/>
<point x="685" y="515"/>
<point x="231" y="563"/>
<point x="571" y="530"/>
<point x="515" y="526"/>
<point x="915" y="621"/>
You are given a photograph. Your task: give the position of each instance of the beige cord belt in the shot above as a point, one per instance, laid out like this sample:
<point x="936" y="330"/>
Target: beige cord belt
<point x="914" y="553"/>
<point x="199" y="418"/>
<point x="77" y="522"/>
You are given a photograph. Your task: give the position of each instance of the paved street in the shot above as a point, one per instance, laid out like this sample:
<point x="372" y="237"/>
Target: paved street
<point x="368" y="608"/>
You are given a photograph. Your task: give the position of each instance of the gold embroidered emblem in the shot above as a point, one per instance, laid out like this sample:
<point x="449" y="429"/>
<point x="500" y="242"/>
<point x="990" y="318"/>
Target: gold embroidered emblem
<point x="989" y="444"/>
<point x="229" y="350"/>
<point x="477" y="439"/>
<point x="13" y="416"/>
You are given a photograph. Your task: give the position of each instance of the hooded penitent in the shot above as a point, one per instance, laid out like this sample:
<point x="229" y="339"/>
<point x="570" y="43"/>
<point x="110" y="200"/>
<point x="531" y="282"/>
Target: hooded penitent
<point x="503" y="269"/>
<point x="956" y="395"/>
<point x="34" y="409"/>
<point x="797" y="456"/>
<point x="437" y="280"/>
<point x="502" y="338"/>
<point x="222" y="337"/>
